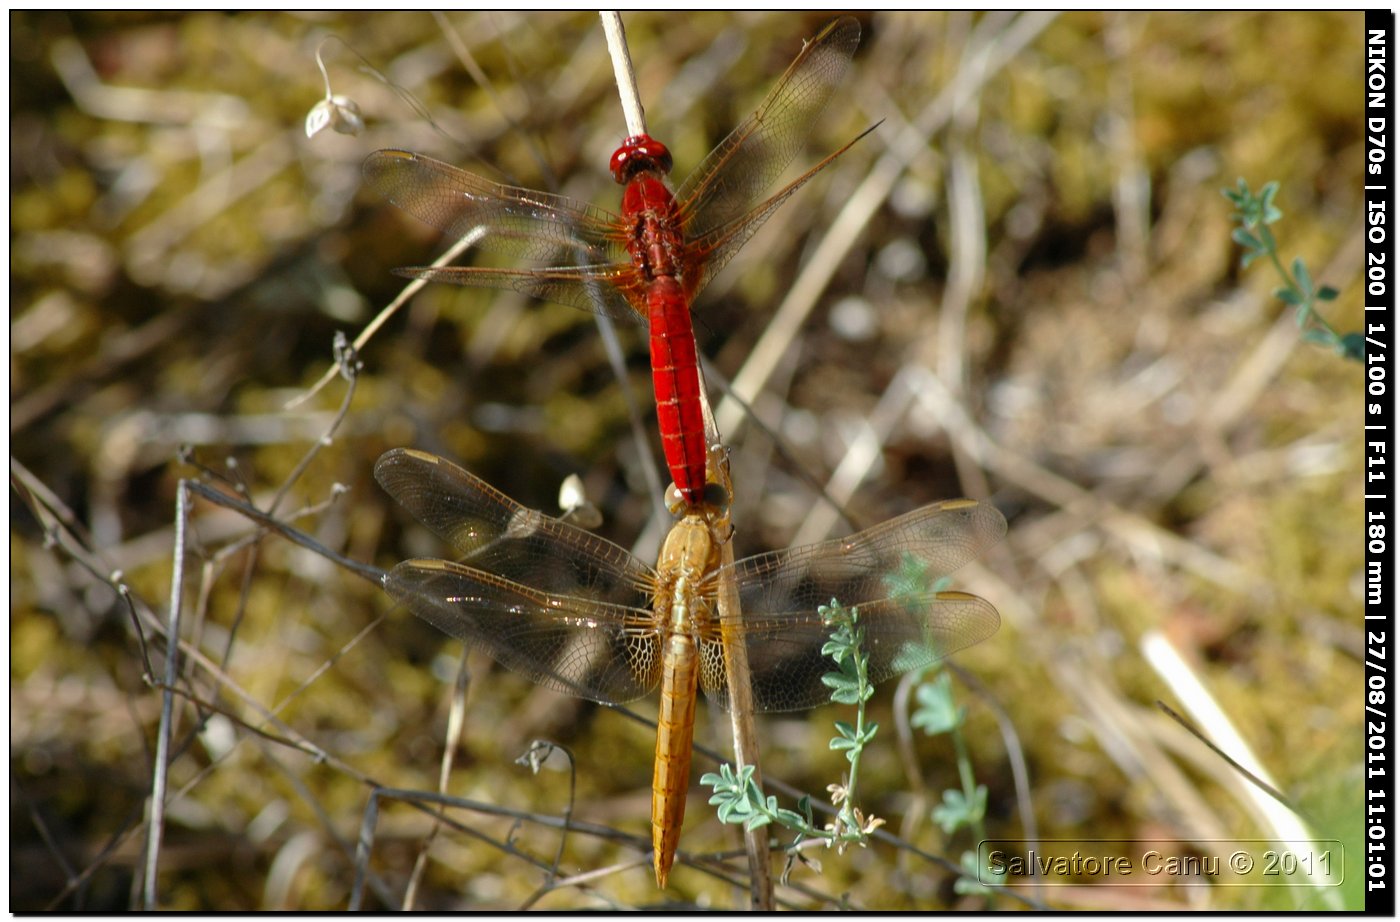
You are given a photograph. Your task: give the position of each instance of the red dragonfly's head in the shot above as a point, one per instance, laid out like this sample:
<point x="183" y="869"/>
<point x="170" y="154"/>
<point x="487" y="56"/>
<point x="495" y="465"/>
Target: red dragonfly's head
<point x="637" y="153"/>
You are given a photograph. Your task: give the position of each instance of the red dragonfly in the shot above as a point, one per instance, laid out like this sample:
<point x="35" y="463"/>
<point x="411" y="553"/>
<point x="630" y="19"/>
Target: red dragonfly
<point x="580" y="615"/>
<point x="651" y="260"/>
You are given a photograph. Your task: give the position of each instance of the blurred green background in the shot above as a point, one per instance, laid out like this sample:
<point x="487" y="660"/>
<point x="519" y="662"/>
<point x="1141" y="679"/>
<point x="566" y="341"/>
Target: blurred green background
<point x="1044" y="310"/>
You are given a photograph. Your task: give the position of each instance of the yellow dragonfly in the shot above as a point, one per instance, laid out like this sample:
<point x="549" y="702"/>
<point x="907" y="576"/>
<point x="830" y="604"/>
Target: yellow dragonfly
<point x="578" y="614"/>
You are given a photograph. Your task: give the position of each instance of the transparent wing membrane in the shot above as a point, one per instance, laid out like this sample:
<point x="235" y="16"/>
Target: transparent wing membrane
<point x="578" y="614"/>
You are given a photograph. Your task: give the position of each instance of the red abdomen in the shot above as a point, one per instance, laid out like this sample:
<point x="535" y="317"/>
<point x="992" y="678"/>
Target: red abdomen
<point x="676" y="379"/>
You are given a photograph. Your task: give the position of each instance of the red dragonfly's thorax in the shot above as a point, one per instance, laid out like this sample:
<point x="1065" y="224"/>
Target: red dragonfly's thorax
<point x="641" y="165"/>
<point x="655" y="242"/>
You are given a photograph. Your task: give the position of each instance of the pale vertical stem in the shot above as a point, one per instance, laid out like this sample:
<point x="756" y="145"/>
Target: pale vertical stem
<point x="736" y="667"/>
<point x="156" y="822"/>
<point x="736" y="659"/>
<point x="632" y="110"/>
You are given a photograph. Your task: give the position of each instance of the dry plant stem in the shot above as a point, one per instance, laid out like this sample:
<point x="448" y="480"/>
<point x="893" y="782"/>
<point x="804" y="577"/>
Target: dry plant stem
<point x="632" y="111"/>
<point x="967" y="269"/>
<point x="1129" y="741"/>
<point x="968" y="236"/>
<point x="366" y="334"/>
<point x="271" y="523"/>
<point x="455" y="720"/>
<point x="348" y="362"/>
<point x="552" y="879"/>
<point x="736" y="658"/>
<point x="1233" y="762"/>
<point x="156" y="822"/>
<point x="1132" y="188"/>
<point x="861" y="206"/>
<point x="1015" y="756"/>
<point x="587" y="877"/>
<point x="421" y="801"/>
<point x="744" y="730"/>
<point x="18" y="794"/>
<point x="289" y="739"/>
<point x="59" y="522"/>
<point x="1284" y="823"/>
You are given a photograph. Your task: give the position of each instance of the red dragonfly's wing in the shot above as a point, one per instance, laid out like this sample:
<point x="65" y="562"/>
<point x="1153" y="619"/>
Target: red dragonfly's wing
<point x="730" y="179"/>
<point x="596" y="274"/>
<point x="718" y="246"/>
<point x="887" y="572"/>
<point x="562" y="606"/>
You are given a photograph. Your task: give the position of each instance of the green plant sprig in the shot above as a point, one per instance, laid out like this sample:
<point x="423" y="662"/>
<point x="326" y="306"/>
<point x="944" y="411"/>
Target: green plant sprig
<point x="937" y="713"/>
<point x="1254" y="213"/>
<point x="737" y="796"/>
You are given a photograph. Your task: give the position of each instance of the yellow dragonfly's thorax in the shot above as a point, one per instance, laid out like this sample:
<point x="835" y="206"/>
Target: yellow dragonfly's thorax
<point x="687" y="556"/>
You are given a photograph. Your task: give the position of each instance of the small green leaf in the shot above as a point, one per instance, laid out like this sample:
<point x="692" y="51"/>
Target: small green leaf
<point x="1265" y="202"/>
<point x="839" y="681"/>
<point x="1352" y="346"/>
<point x="957" y="811"/>
<point x="936" y="712"/>
<point x="790" y="818"/>
<point x="979" y="803"/>
<point x="1326" y="293"/>
<point x="839" y="745"/>
<point x="972" y="882"/>
<point x="1302" y="276"/>
<point x="1289" y="296"/>
<point x="848" y="696"/>
<point x="953" y="813"/>
<point x="757" y="820"/>
<point x="1247" y="240"/>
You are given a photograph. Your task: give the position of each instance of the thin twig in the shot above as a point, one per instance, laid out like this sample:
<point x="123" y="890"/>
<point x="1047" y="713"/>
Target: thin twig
<point x="632" y="112"/>
<point x="1233" y="762"/>
<point x="167" y="701"/>
<point x="456" y="719"/>
<point x="457" y="248"/>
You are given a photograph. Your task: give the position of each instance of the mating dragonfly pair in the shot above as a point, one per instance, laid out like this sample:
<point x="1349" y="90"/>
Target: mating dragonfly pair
<point x="578" y="614"/>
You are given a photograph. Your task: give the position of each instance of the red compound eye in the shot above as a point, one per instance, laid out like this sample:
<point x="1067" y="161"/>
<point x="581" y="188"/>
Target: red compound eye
<point x="637" y="153"/>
